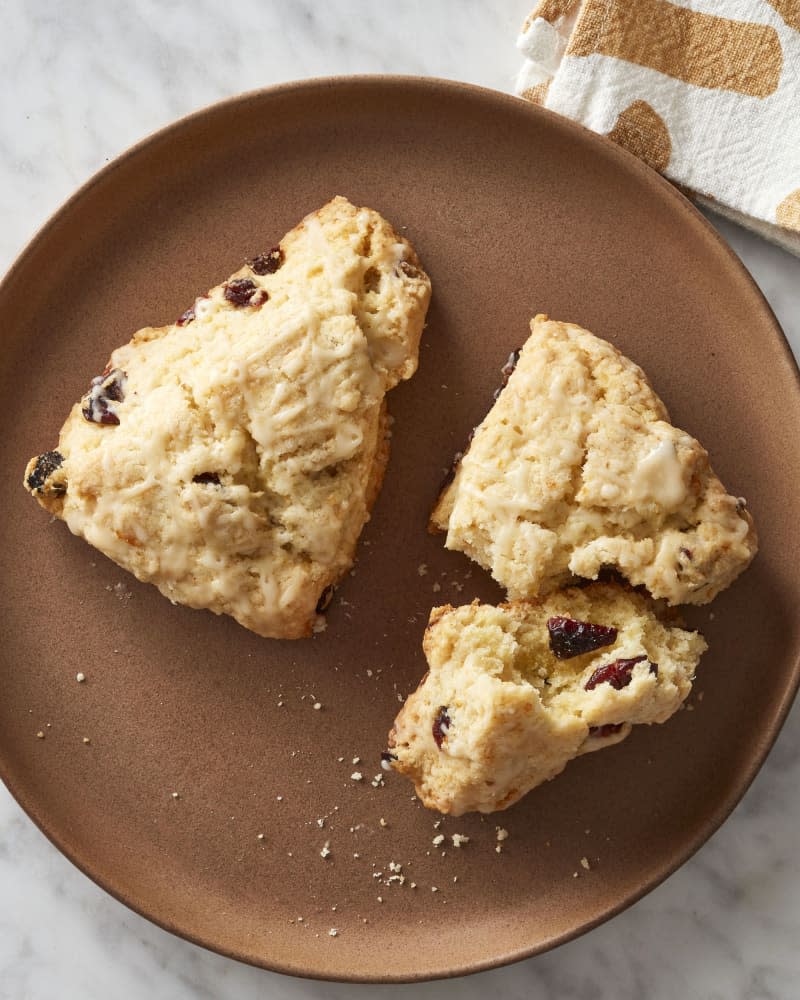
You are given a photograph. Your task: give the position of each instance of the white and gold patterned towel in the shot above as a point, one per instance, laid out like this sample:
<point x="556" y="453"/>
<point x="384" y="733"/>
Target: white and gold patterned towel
<point x="705" y="91"/>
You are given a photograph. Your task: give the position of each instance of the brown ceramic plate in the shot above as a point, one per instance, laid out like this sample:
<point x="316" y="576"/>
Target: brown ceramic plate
<point x="513" y="211"/>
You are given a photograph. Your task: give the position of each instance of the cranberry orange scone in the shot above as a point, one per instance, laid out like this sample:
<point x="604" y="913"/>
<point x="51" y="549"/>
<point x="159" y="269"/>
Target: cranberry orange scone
<point x="514" y="692"/>
<point x="576" y="468"/>
<point x="232" y="458"/>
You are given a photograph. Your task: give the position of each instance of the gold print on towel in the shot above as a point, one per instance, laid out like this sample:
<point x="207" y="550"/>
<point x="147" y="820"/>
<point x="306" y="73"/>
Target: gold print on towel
<point x="537" y="94"/>
<point x="701" y="49"/>
<point x="787" y="213"/>
<point x="789" y="11"/>
<point x="550" y="10"/>
<point x="642" y="131"/>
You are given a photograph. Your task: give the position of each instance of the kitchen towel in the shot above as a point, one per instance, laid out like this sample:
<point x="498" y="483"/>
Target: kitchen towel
<point x="705" y="91"/>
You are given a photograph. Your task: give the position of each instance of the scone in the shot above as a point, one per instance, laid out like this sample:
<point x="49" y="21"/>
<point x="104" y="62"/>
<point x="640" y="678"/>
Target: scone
<point x="577" y="468"/>
<point x="514" y="692"/>
<point x="232" y="458"/>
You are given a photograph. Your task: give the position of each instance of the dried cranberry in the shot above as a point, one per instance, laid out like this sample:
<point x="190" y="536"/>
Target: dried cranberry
<point x="569" y="637"/>
<point x="210" y="478"/>
<point x="244" y="292"/>
<point x="441" y="726"/>
<point x="185" y="318"/>
<point x="617" y="674"/>
<point x="46" y="465"/>
<point x="267" y="263"/>
<point x="607" y="730"/>
<point x="325" y="598"/>
<point x="104" y="391"/>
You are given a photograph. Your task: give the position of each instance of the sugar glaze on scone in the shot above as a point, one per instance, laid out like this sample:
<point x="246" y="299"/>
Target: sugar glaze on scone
<point x="232" y="458"/>
<point x="576" y="467"/>
<point x="499" y="712"/>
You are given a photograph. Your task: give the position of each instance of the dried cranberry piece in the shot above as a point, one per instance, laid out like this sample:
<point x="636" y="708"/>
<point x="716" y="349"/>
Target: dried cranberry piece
<point x="441" y="726"/>
<point x="46" y="465"/>
<point x="104" y="391"/>
<point x="186" y="318"/>
<point x="617" y="674"/>
<point x="267" y="263"/>
<point x="325" y="598"/>
<point x="607" y="730"/>
<point x="210" y="478"/>
<point x="570" y="637"/>
<point x="244" y="292"/>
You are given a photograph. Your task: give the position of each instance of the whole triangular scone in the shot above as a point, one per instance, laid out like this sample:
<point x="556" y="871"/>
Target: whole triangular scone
<point x="576" y="468"/>
<point x="232" y="458"/>
<point x="514" y="692"/>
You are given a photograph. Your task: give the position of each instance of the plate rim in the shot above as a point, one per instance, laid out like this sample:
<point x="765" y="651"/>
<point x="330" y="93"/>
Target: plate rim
<point x="682" y="204"/>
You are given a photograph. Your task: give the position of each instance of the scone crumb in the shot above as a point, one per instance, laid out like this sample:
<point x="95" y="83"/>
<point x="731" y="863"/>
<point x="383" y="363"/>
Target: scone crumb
<point x="332" y="932"/>
<point x="40" y="735"/>
<point x="422" y="569"/>
<point x="501" y="833"/>
<point x="459" y="839"/>
<point x="176" y="795"/>
<point x="356" y="760"/>
<point x="383" y="822"/>
<point x="260" y="836"/>
<point x="356" y="776"/>
<point x="326" y="850"/>
<point x="321" y="822"/>
<point x="80" y="677"/>
<point x="434" y="888"/>
<point x="436" y="587"/>
<point x="317" y="706"/>
<point x="585" y="864"/>
<point x="86" y="741"/>
<point x="438" y="839"/>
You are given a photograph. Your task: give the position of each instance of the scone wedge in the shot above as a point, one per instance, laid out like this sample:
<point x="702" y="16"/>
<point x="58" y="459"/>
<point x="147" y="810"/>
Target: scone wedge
<point x="232" y="458"/>
<point x="514" y="692"/>
<point x="577" y="468"/>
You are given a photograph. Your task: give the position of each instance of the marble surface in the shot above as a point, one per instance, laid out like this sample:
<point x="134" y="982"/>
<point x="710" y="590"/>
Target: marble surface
<point x="79" y="82"/>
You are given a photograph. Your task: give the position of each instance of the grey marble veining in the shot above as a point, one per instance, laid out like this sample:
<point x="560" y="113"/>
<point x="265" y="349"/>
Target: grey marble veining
<point x="79" y="82"/>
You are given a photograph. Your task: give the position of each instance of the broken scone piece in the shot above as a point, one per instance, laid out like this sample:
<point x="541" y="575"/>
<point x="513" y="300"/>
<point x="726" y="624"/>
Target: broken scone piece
<point x="514" y="692"/>
<point x="576" y="468"/>
<point x="232" y="458"/>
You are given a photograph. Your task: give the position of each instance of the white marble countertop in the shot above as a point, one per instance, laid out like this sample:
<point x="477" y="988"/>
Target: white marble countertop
<point x="79" y="82"/>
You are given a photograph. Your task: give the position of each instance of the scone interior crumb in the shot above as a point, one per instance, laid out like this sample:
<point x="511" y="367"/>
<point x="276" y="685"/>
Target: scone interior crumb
<point x="499" y="712"/>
